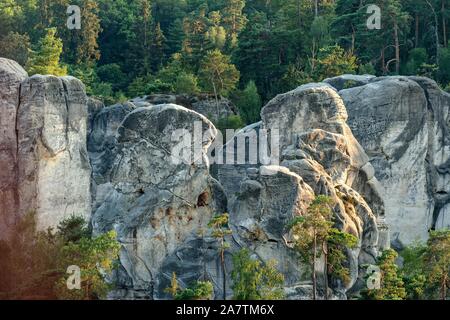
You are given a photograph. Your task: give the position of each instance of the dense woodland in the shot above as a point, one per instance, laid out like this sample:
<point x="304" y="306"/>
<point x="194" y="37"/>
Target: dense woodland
<point x="248" y="50"/>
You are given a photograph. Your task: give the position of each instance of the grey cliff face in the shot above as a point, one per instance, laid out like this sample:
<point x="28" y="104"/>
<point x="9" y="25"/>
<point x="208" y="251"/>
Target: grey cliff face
<point x="45" y="142"/>
<point x="159" y="209"/>
<point x="54" y="169"/>
<point x="403" y="124"/>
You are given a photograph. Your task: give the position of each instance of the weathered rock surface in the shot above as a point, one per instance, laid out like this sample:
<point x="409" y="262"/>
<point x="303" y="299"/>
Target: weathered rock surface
<point x="318" y="155"/>
<point x="43" y="119"/>
<point x="54" y="170"/>
<point x="64" y="154"/>
<point x="403" y="124"/>
<point x="159" y="208"/>
<point x="11" y="76"/>
<point x="347" y="81"/>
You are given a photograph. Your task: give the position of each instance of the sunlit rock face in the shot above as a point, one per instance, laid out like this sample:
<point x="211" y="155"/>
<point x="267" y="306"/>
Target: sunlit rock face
<point x="403" y="124"/>
<point x="43" y="119"/>
<point x="318" y="155"/>
<point x="54" y="169"/>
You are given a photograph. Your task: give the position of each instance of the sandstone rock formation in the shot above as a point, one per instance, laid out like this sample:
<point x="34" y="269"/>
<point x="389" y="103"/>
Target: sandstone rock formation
<point x="11" y="76"/>
<point x="403" y="123"/>
<point x="159" y="208"/>
<point x="318" y="155"/>
<point x="54" y="170"/>
<point x="44" y="126"/>
<point x="64" y="154"/>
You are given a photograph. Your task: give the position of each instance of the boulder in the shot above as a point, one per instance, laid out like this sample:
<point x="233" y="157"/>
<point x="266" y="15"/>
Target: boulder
<point x="347" y="81"/>
<point x="43" y="153"/>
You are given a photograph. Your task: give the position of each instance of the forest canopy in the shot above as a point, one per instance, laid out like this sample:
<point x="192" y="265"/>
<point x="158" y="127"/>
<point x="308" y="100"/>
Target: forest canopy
<point x="232" y="48"/>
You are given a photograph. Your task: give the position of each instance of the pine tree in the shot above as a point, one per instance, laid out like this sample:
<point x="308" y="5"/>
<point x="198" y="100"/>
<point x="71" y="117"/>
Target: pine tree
<point x="195" y="27"/>
<point x="310" y="231"/>
<point x="249" y="103"/>
<point x="15" y="46"/>
<point x="233" y="20"/>
<point x="217" y="74"/>
<point x="157" y="47"/>
<point x="87" y="48"/>
<point x="392" y="285"/>
<point x="220" y="230"/>
<point x="46" y="59"/>
<point x="252" y="280"/>
<point x="437" y="262"/>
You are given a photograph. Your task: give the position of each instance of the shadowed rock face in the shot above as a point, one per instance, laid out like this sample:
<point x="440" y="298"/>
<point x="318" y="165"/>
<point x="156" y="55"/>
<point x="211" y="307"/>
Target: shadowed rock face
<point x="204" y="104"/>
<point x="403" y="124"/>
<point x="11" y="75"/>
<point x="159" y="208"/>
<point x="43" y="120"/>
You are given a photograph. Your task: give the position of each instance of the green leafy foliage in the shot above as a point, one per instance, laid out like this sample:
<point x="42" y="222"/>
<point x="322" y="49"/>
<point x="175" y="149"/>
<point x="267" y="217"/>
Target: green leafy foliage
<point x="46" y="60"/>
<point x="231" y="122"/>
<point x="249" y="103"/>
<point x="278" y="45"/>
<point x="333" y="61"/>
<point x="220" y="230"/>
<point x="338" y="243"/>
<point x="34" y="263"/>
<point x="217" y="74"/>
<point x="95" y="257"/>
<point x="186" y="83"/>
<point x="392" y="285"/>
<point x="254" y="281"/>
<point x="413" y="271"/>
<point x="200" y="290"/>
<point x="314" y="230"/>
<point x="15" y="46"/>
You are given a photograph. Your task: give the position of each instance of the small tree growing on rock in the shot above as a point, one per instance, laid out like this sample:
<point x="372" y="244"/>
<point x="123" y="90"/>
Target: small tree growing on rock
<point x="310" y="231"/>
<point x="315" y="236"/>
<point x="254" y="281"/>
<point x="219" y="227"/>
<point x="46" y="59"/>
<point x="200" y="290"/>
<point x="218" y="75"/>
<point x="335" y="258"/>
<point x="391" y="285"/>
